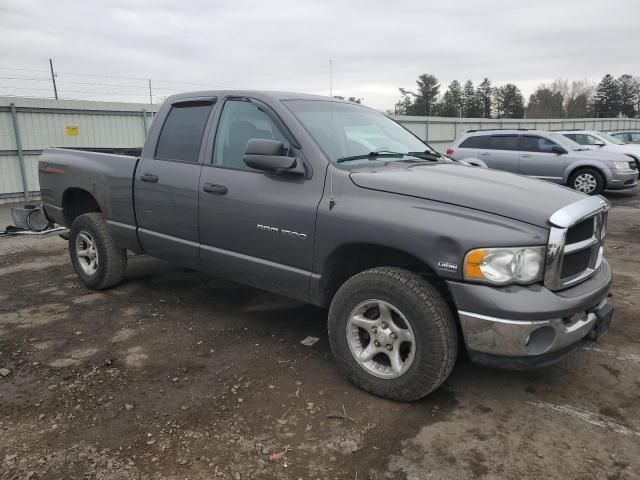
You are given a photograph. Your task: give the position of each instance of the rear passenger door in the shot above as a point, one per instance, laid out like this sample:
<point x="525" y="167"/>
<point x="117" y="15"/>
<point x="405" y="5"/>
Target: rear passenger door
<point x="501" y="152"/>
<point x="537" y="159"/>
<point x="166" y="185"/>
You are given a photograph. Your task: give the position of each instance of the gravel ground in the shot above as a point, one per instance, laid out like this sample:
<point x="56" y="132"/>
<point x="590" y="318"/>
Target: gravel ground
<point x="177" y="375"/>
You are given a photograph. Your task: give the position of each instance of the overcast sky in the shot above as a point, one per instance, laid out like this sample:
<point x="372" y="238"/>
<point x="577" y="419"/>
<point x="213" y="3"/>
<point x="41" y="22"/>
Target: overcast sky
<point x="376" y="46"/>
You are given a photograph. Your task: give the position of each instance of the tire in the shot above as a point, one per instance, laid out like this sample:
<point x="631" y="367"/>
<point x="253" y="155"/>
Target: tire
<point x="424" y="364"/>
<point x="587" y="180"/>
<point x="104" y="264"/>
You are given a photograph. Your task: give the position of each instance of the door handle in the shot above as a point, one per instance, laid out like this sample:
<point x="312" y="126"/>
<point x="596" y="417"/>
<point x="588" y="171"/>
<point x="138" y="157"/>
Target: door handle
<point x="484" y="153"/>
<point x="525" y="156"/>
<point x="215" y="189"/>
<point x="149" y="178"/>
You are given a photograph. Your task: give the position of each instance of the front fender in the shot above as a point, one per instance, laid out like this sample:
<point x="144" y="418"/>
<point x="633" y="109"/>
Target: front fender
<point x="573" y="166"/>
<point x="438" y="234"/>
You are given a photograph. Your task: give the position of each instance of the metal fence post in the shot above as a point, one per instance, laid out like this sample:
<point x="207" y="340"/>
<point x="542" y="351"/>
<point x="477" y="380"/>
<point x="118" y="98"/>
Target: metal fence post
<point x="144" y="121"/>
<point x="16" y="130"/>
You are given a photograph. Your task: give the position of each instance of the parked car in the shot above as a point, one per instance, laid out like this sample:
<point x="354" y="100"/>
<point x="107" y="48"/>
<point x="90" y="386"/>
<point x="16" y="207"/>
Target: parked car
<point x="408" y="249"/>
<point x="604" y="142"/>
<point x="630" y="136"/>
<point x="547" y="156"/>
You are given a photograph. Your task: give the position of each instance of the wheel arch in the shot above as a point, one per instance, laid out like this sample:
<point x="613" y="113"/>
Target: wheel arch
<point x="349" y="259"/>
<point x="77" y="201"/>
<point x="574" y="167"/>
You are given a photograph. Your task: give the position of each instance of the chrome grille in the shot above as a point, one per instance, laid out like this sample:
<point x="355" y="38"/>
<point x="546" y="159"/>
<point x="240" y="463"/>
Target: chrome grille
<point x="575" y="249"/>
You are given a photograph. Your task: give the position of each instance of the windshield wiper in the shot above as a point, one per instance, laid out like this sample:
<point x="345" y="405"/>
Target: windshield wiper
<point x="371" y="156"/>
<point x="434" y="157"/>
<point x="426" y="155"/>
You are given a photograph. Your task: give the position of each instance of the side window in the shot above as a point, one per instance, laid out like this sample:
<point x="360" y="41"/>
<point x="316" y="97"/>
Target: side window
<point x="622" y="136"/>
<point x="477" y="141"/>
<point x="532" y="143"/>
<point x="182" y="132"/>
<point x="240" y="122"/>
<point x="635" y="137"/>
<point x="591" y="140"/>
<point x="503" y="142"/>
<point x="576" y="138"/>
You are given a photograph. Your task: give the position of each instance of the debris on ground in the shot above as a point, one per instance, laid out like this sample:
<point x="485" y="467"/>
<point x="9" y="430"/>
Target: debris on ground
<point x="5" y="372"/>
<point x="310" y="341"/>
<point x="341" y="415"/>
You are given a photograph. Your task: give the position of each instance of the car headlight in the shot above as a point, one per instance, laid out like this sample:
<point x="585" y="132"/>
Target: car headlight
<point x="500" y="266"/>
<point x="619" y="165"/>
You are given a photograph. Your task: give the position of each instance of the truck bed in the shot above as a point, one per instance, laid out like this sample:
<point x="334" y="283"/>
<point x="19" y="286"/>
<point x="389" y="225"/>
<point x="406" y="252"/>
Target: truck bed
<point x="106" y="177"/>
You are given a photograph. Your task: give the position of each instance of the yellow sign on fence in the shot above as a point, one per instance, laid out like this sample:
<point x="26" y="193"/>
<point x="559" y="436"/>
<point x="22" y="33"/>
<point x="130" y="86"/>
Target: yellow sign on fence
<point x="72" y="130"/>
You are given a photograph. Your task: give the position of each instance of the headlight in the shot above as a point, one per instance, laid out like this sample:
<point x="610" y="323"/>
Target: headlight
<point x="504" y="265"/>
<point x="619" y="165"/>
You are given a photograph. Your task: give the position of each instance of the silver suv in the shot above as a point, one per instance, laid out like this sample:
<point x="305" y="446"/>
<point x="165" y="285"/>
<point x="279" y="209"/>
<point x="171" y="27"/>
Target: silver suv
<point x="548" y="156"/>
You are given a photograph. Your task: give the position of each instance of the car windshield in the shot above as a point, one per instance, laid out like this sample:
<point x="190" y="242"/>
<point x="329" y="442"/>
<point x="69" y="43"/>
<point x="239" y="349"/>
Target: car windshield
<point x="611" y="138"/>
<point x="566" y="142"/>
<point x="350" y="134"/>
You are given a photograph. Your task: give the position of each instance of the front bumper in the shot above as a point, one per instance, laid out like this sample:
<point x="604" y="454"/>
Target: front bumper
<point x="623" y="179"/>
<point x="530" y="326"/>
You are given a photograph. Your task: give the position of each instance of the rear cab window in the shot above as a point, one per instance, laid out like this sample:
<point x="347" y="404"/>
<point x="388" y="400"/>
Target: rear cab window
<point x="181" y="135"/>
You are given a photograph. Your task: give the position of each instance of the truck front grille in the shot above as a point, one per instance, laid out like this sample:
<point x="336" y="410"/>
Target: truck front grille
<point x="575" y="249"/>
<point x="575" y="263"/>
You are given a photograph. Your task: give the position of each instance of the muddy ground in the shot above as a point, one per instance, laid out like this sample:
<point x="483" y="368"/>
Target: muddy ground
<point x="178" y="375"/>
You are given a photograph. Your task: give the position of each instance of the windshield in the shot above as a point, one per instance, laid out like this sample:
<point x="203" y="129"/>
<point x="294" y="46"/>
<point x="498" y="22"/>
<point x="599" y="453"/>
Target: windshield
<point x="344" y="131"/>
<point x="610" y="138"/>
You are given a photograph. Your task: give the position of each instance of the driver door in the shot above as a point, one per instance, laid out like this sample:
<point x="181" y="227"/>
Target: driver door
<point x="255" y="228"/>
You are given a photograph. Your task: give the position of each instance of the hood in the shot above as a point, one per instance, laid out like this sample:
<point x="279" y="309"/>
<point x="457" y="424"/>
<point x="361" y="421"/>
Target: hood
<point x="501" y="193"/>
<point x="608" y="152"/>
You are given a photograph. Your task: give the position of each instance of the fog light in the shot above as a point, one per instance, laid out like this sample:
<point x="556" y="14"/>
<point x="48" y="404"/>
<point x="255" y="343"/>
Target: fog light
<point x="540" y="340"/>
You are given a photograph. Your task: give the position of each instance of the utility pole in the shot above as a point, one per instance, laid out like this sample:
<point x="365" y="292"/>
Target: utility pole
<point x="150" y="94"/>
<point x="53" y="80"/>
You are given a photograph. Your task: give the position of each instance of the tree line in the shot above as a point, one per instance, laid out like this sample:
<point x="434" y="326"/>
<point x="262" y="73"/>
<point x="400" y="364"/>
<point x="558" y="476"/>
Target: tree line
<point x="612" y="97"/>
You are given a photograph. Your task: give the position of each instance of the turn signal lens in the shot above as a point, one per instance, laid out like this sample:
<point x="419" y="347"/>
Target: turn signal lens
<point x="504" y="265"/>
<point x="472" y="264"/>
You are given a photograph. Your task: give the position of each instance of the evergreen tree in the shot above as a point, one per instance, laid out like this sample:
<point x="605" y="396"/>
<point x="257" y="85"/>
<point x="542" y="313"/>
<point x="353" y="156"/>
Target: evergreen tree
<point x="483" y="95"/>
<point x="423" y="100"/>
<point x="470" y="107"/>
<point x="628" y="88"/>
<point x="509" y="101"/>
<point x="452" y="100"/>
<point x="606" y="101"/>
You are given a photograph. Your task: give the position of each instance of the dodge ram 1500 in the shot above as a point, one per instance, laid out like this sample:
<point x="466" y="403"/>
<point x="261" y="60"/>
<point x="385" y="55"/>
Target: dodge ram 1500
<point x="329" y="202"/>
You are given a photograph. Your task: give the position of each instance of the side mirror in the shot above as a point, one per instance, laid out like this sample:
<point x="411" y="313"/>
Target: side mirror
<point x="269" y="156"/>
<point x="598" y="144"/>
<point x="558" y="149"/>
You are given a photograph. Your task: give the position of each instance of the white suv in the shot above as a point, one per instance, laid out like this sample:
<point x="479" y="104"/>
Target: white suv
<point x="604" y="142"/>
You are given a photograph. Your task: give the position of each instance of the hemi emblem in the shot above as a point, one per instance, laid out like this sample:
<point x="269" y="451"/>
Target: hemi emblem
<point x="448" y="266"/>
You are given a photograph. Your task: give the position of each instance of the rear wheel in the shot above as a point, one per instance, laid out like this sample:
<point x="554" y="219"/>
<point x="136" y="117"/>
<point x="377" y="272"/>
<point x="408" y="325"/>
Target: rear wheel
<point x="587" y="180"/>
<point x="392" y="333"/>
<point x="96" y="259"/>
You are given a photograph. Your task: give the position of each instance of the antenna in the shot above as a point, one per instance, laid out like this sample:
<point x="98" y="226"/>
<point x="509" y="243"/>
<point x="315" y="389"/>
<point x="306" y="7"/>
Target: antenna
<point x="331" y="78"/>
<point x="332" y="202"/>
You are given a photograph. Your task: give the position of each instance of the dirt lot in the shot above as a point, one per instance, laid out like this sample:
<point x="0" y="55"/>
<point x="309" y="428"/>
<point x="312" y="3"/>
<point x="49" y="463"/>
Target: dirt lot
<point x="175" y="374"/>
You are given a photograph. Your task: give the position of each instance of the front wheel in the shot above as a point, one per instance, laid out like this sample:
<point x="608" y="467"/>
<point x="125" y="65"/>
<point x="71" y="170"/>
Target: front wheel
<point x="587" y="180"/>
<point x="96" y="259"/>
<point x="392" y="333"/>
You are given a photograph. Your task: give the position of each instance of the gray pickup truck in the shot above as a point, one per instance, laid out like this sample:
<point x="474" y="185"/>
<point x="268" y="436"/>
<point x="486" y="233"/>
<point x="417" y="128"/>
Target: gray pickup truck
<point x="328" y="202"/>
